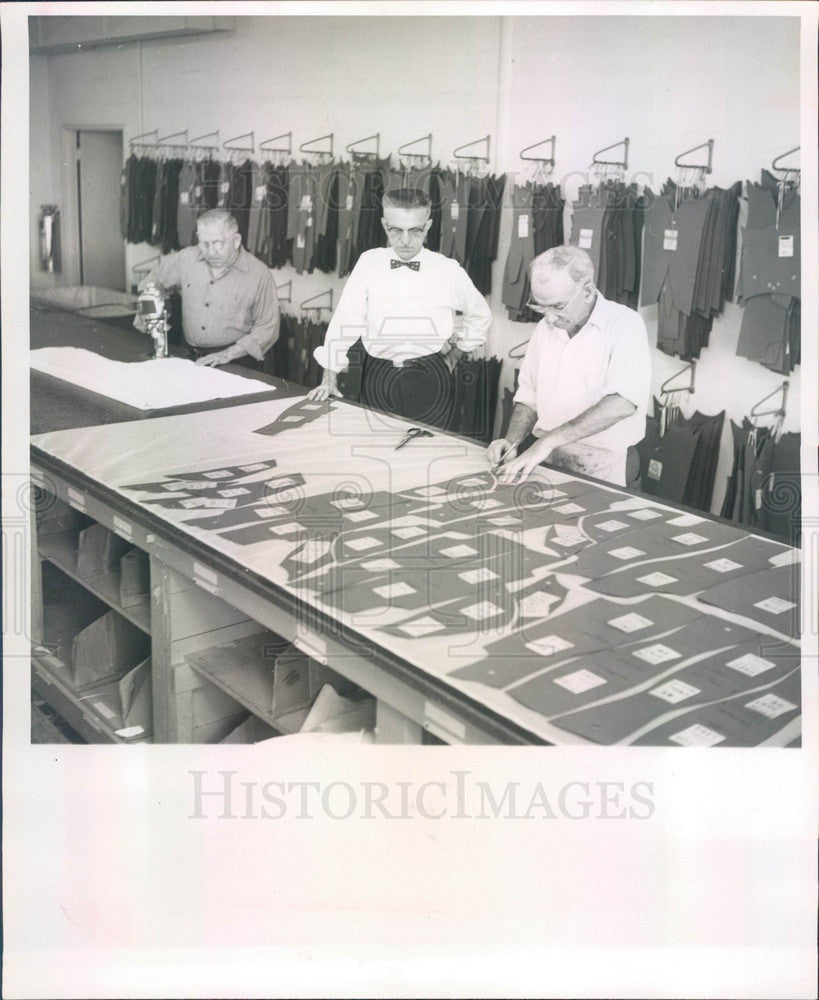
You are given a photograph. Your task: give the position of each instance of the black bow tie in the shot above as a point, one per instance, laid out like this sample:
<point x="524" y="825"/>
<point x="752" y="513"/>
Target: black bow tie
<point x="413" y="265"/>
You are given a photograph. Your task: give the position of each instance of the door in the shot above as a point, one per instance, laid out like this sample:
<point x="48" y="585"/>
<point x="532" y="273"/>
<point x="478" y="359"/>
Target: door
<point x="99" y="169"/>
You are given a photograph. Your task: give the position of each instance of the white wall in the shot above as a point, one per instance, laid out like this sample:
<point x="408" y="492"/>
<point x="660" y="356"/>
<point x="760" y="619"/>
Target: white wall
<point x="666" y="82"/>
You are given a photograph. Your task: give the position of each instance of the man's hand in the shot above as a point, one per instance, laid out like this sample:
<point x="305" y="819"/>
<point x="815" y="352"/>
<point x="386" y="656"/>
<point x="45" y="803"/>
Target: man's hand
<point x="217" y="358"/>
<point x="328" y="387"/>
<point x="521" y="468"/>
<point x="500" y="451"/>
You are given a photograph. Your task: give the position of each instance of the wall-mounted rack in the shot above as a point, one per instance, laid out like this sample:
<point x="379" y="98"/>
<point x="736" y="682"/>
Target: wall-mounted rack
<point x="666" y="388"/>
<point x="607" y="166"/>
<point x="231" y="144"/>
<point x="314" y="303"/>
<point x="425" y="157"/>
<point x="268" y="147"/>
<point x="137" y="139"/>
<point x="305" y="146"/>
<point x="365" y="154"/>
<point x="285" y="291"/>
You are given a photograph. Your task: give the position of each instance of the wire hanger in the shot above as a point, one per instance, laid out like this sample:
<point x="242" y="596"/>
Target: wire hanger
<point x="425" y="158"/>
<point x="617" y="167"/>
<point x="279" y="152"/>
<point x="365" y="154"/>
<point x="303" y="148"/>
<point x="313" y="305"/>
<point x="788" y="170"/>
<point x="779" y="411"/>
<point x="692" y="175"/>
<point x="666" y="388"/>
<point x="473" y="161"/>
<point x="519" y="350"/>
<point x="229" y="144"/>
<point x="199" y="143"/>
<point x="137" y="139"/>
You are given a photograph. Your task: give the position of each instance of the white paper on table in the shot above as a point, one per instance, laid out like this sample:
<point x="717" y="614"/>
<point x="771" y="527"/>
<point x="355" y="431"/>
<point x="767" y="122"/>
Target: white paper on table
<point x="146" y="385"/>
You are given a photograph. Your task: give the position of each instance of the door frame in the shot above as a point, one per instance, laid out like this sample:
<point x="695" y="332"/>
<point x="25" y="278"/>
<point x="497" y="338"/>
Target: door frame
<point x="70" y="232"/>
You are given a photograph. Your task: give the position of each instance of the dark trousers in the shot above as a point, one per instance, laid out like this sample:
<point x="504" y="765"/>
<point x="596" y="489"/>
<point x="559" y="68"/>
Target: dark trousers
<point x="420" y="390"/>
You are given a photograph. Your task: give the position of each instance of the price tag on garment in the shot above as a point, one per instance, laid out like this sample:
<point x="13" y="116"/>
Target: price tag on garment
<point x="348" y="204"/>
<point x="771" y="705"/>
<point x="225" y="187"/>
<point x="786" y="246"/>
<point x="300" y="241"/>
<point x="523" y="226"/>
<point x="259" y="192"/>
<point x="184" y="198"/>
<point x="306" y="203"/>
<point x="758" y="499"/>
<point x="585" y="239"/>
<point x="655" y="469"/>
<point x="454" y="210"/>
<point x="670" y="239"/>
<point x="197" y="191"/>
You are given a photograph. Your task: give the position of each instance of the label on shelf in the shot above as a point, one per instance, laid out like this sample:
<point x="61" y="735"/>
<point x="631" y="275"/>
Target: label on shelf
<point x="442" y="723"/>
<point x="123" y="528"/>
<point x="205" y="578"/>
<point x="76" y="499"/>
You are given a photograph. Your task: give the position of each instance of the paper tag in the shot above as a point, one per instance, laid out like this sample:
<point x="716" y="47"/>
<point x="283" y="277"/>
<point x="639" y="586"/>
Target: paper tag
<point x="627" y="552"/>
<point x="361" y="515"/>
<point x="259" y="192"/>
<point x="674" y="691"/>
<point x="123" y="528"/>
<point x="697" y="736"/>
<point x="379" y="565"/>
<point x="270" y="511"/>
<point x="655" y="469"/>
<point x="644" y="514"/>
<point x="300" y="241"/>
<point x="579" y="681"/>
<point x="537" y="605"/>
<point x="479" y="612"/>
<point x="657" y="579"/>
<point x="567" y="535"/>
<point x="362" y="544"/>
<point x="549" y="645"/>
<point x="238" y="491"/>
<point x="670" y="239"/>
<point x="292" y="528"/>
<point x="184" y="198"/>
<point x="750" y="664"/>
<point x="429" y="491"/>
<point x="481" y="575"/>
<point x="207" y="503"/>
<point x="611" y="525"/>
<point x="630" y="623"/>
<point x="347" y="503"/>
<point x="585" y="239"/>
<point x="205" y="578"/>
<point x="771" y="705"/>
<point x="306" y="203"/>
<point x="723" y="565"/>
<point x="775" y="605"/>
<point x="758" y="499"/>
<point x="422" y="626"/>
<point x="569" y="508"/>
<point x="434" y="714"/>
<point x="197" y="191"/>
<point x="505" y="521"/>
<point x="130" y="731"/>
<point x="218" y="474"/>
<point x="458" y="551"/>
<point x="399" y="589"/>
<point x="523" y="226"/>
<point x="454" y="210"/>
<point x="225" y="187"/>
<point x="413" y="531"/>
<point x="76" y="499"/>
<point x="348" y="204"/>
<point x="656" y="654"/>
<point x="689" y="538"/>
<point x="786" y="246"/>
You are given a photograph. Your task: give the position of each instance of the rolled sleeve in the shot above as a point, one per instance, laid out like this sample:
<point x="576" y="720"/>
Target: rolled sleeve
<point x="166" y="273"/>
<point x="477" y="316"/>
<point x="527" y="377"/>
<point x="265" y="314"/>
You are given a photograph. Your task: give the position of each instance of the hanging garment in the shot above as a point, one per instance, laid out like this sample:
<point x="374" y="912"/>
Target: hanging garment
<point x="476" y="397"/>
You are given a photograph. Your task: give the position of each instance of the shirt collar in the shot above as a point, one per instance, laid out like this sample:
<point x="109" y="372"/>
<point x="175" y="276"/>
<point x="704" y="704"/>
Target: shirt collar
<point x="240" y="263"/>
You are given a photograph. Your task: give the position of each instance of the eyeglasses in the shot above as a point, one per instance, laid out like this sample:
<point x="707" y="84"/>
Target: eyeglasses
<point x="215" y="245"/>
<point x="557" y="307"/>
<point x="416" y="233"/>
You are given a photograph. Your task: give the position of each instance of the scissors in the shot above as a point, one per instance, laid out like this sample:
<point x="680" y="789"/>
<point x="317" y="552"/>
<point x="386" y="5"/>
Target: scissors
<point x="413" y="432"/>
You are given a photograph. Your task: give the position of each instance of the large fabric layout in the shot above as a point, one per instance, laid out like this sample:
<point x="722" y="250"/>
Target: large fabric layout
<point x="571" y="608"/>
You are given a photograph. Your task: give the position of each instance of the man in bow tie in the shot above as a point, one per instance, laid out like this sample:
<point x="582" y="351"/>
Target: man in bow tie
<point x="416" y="313"/>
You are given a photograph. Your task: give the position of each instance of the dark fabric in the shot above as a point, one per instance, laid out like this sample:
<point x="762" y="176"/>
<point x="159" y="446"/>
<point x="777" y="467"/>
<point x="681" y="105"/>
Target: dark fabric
<point x="421" y="389"/>
<point x="476" y="397"/>
<point x="782" y="492"/>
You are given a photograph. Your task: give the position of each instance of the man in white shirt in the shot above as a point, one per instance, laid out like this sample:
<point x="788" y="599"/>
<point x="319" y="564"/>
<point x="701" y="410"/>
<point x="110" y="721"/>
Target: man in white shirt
<point x="402" y="301"/>
<point x="585" y="381"/>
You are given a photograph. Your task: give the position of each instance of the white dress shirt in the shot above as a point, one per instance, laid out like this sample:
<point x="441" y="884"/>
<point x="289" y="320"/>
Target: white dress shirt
<point x="401" y="313"/>
<point x="562" y="376"/>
